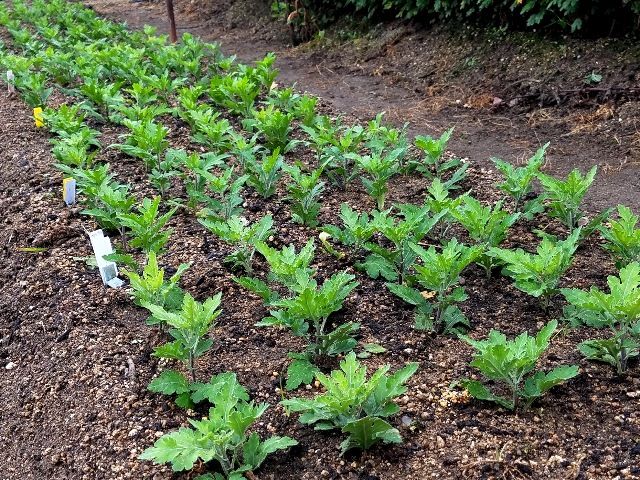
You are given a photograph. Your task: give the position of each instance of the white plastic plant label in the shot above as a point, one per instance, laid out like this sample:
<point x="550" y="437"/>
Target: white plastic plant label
<point x="69" y="191"/>
<point x="108" y="269"/>
<point x="11" y="79"/>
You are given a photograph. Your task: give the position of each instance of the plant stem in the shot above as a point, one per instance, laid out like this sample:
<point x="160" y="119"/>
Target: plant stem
<point x="192" y="370"/>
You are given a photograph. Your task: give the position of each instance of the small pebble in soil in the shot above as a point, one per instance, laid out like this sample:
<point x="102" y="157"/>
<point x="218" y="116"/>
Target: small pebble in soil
<point x="10" y="366"/>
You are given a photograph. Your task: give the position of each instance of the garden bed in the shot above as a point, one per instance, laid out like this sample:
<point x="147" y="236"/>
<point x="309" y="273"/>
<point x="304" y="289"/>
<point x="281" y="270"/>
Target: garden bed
<point x="77" y="356"/>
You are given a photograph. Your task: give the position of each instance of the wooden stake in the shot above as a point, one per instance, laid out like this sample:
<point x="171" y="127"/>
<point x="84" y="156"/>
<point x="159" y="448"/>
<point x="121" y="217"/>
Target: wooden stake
<point x="173" y="36"/>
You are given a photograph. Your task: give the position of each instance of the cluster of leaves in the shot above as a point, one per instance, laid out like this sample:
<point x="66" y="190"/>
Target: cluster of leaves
<point x="592" y="17"/>
<point x="355" y="405"/>
<point x="618" y="310"/>
<point x="222" y="436"/>
<point x="512" y="363"/>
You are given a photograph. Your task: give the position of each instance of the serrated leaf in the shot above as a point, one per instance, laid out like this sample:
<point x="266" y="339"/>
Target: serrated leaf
<point x="300" y="371"/>
<point x="479" y="391"/>
<point x="377" y="266"/>
<point x="169" y="382"/>
<point x="366" y="432"/>
<point x="374" y="348"/>
<point x="181" y="449"/>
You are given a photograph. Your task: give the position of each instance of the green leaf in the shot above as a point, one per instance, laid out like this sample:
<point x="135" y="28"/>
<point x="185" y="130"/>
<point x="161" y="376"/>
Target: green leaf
<point x="408" y="294"/>
<point x="300" y="371"/>
<point x="541" y="382"/>
<point x="376" y="266"/>
<point x="182" y="449"/>
<point x="479" y="391"/>
<point x="169" y="382"/>
<point x="366" y="432"/>
<point x="212" y="391"/>
<point x="371" y="348"/>
<point x="255" y="451"/>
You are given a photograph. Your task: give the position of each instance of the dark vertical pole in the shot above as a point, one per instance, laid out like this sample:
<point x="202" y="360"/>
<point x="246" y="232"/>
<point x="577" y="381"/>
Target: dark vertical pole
<point x="172" y="22"/>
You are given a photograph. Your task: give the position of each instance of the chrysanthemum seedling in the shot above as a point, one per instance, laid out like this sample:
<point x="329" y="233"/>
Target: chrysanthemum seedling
<point x="538" y="274"/>
<point x="618" y="310"/>
<point x="222" y="436"/>
<point x="355" y="405"/>
<point x="512" y="363"/>
<point x="265" y="174"/>
<point x="439" y="273"/>
<point x="304" y="192"/>
<point x="623" y="238"/>
<point x="394" y="263"/>
<point x="146" y="226"/>
<point x="518" y="183"/>
<point x="242" y="235"/>
<point x="486" y="226"/>
<point x="189" y="327"/>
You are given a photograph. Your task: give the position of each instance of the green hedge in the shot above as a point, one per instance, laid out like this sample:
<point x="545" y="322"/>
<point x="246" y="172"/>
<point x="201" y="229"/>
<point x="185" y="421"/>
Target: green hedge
<point x="591" y="16"/>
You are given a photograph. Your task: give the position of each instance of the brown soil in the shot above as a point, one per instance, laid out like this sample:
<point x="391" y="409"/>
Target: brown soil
<point x="76" y="356"/>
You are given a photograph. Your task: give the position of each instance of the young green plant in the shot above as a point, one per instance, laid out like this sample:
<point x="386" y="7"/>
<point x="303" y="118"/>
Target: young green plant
<point x="512" y="363"/>
<point x="355" y="405"/>
<point x="618" y="310"/>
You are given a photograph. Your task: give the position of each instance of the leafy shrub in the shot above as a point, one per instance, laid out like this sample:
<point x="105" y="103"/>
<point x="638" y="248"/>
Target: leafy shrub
<point x="237" y="93"/>
<point x="211" y="131"/>
<point x="539" y="274"/>
<point x="221" y="436"/>
<point x="386" y="141"/>
<point x="618" y="310"/>
<point x="111" y="200"/>
<point x="570" y="15"/>
<point x="441" y="203"/>
<point x="623" y="238"/>
<point x="439" y="273"/>
<point x="33" y="88"/>
<point x="162" y="175"/>
<point x="226" y="199"/>
<point x="511" y="362"/>
<point x="188" y="328"/>
<point x="354" y="404"/>
<point x="337" y="149"/>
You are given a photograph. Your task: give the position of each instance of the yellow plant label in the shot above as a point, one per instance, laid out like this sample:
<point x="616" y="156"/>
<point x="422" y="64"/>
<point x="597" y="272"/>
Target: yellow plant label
<point x="69" y="190"/>
<point x="37" y="116"/>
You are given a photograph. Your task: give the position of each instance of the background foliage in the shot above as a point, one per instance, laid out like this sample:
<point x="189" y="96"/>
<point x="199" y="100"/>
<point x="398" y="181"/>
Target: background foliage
<point x="589" y="16"/>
